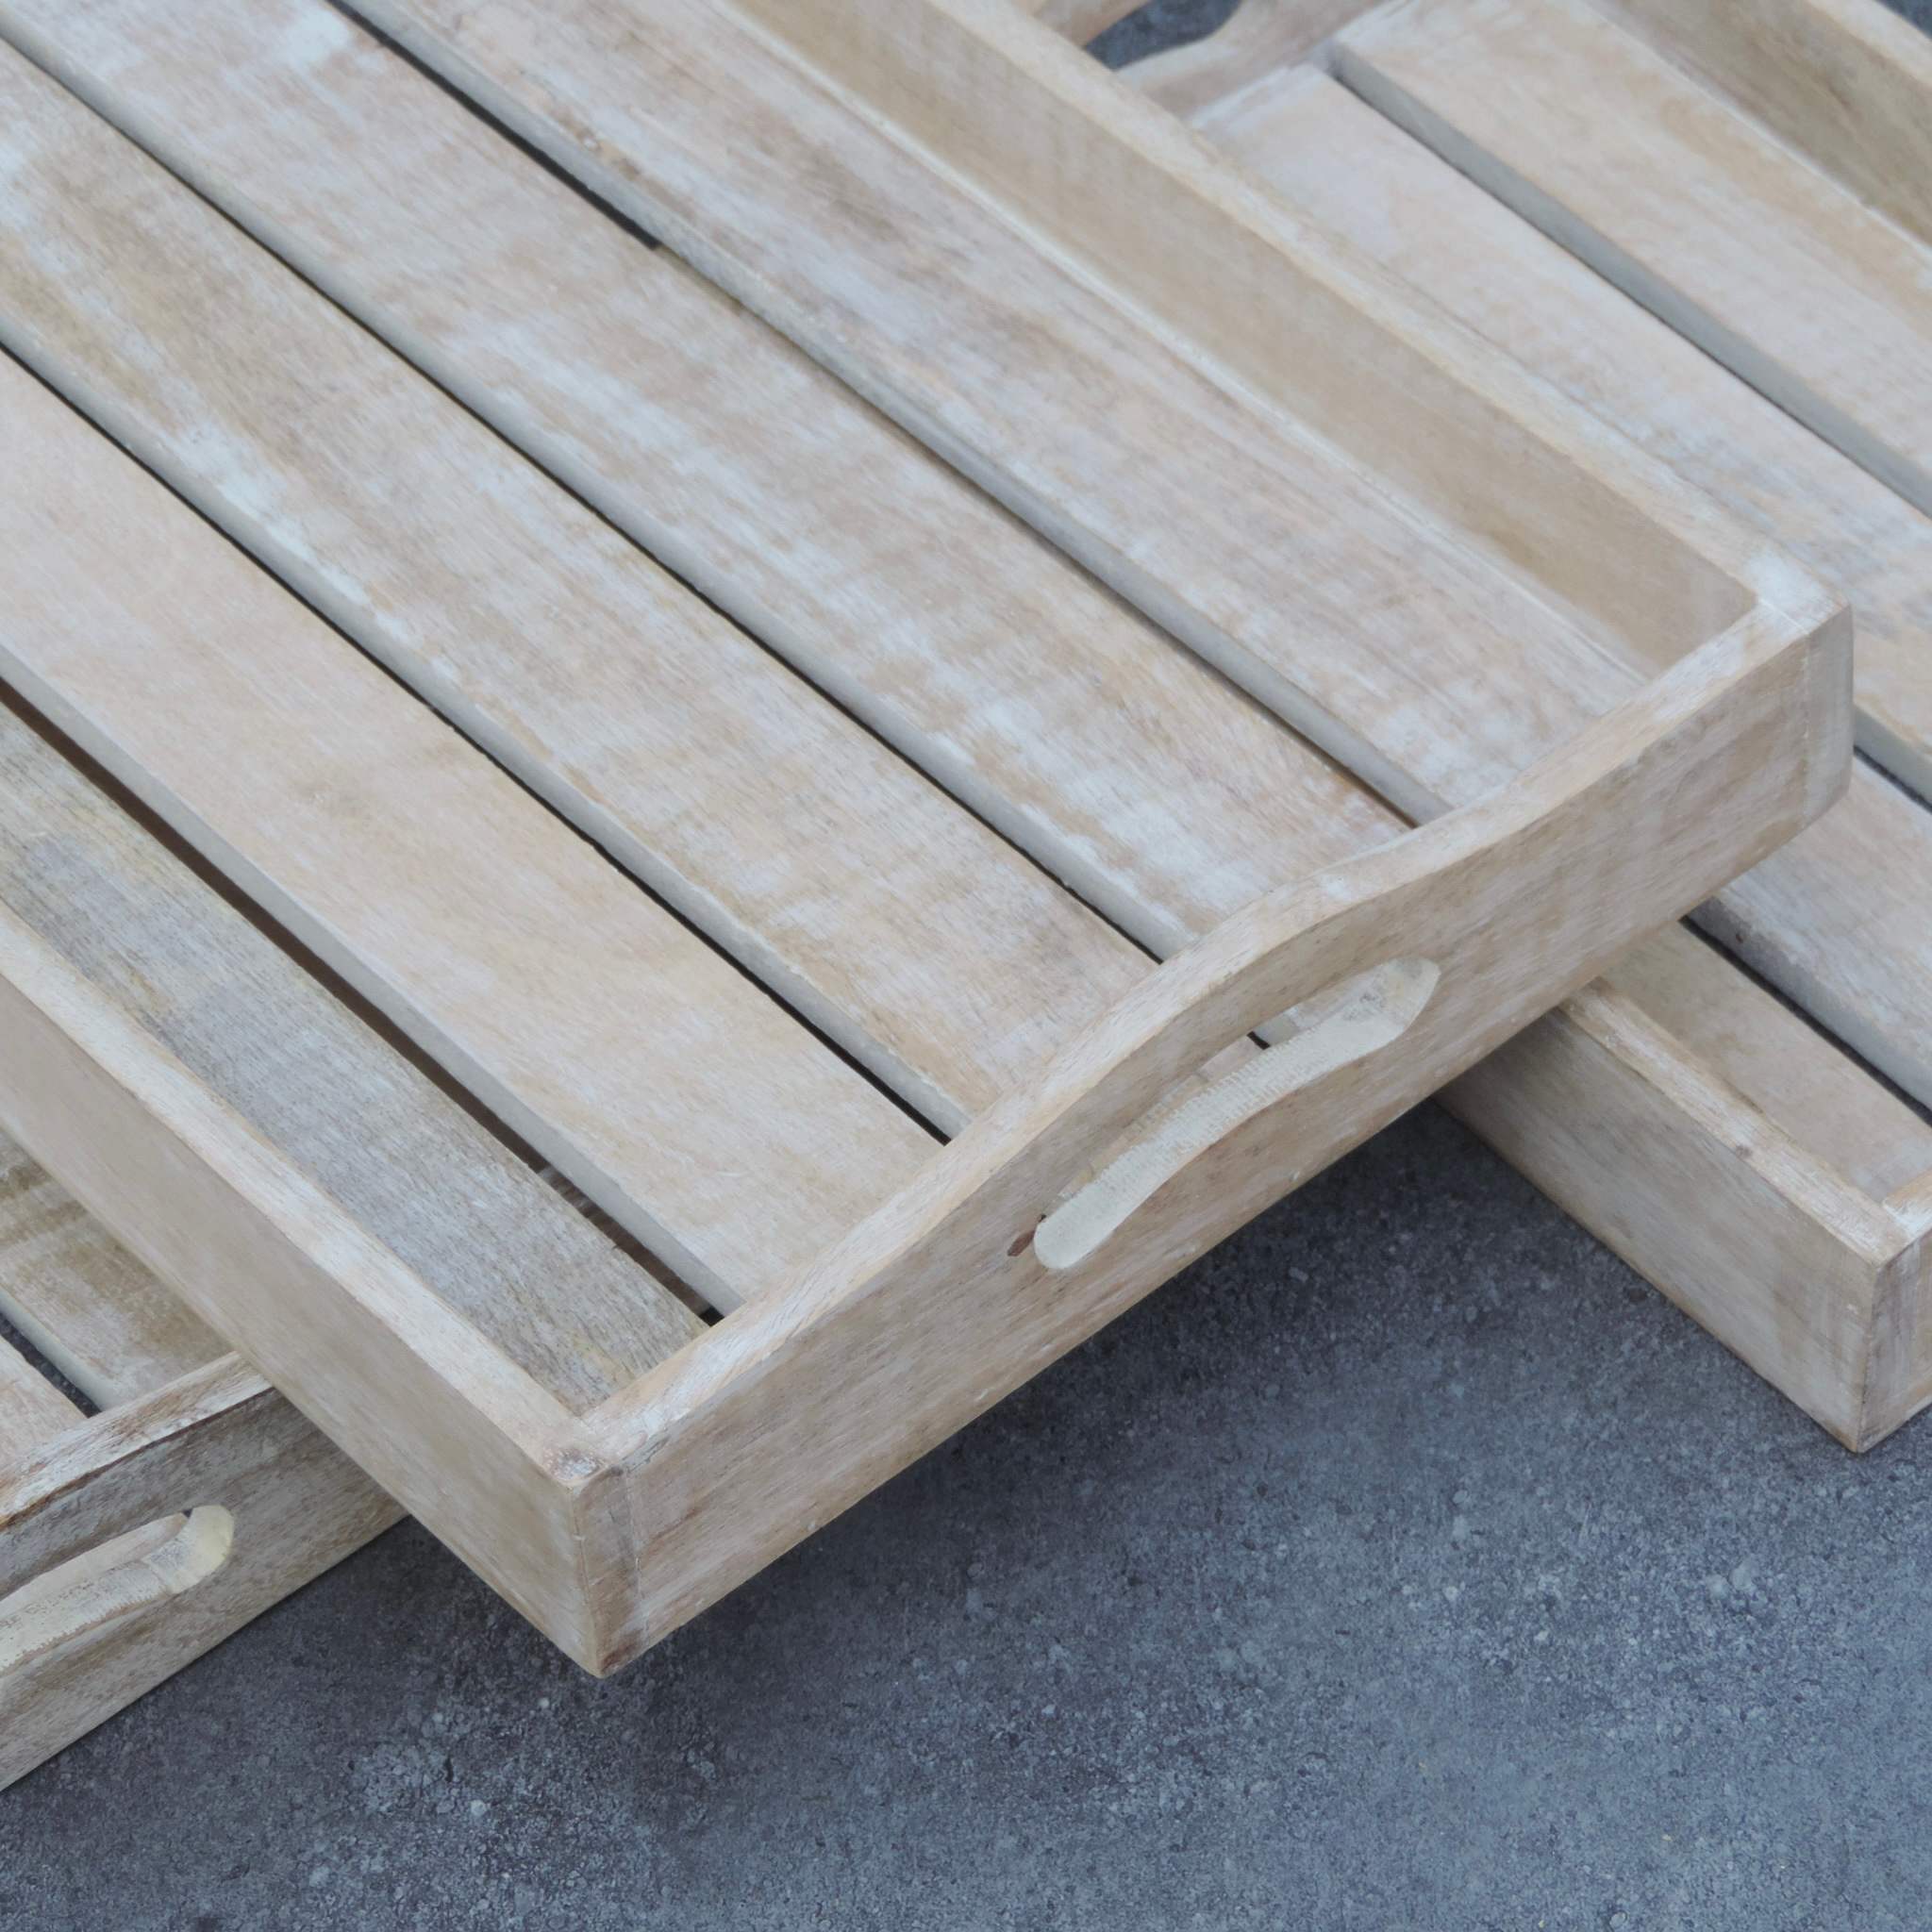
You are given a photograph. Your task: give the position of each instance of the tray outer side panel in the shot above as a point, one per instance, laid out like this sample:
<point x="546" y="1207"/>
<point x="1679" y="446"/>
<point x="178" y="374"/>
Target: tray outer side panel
<point x="184" y="1425"/>
<point x="802" y="1402"/>
<point x="218" y="1438"/>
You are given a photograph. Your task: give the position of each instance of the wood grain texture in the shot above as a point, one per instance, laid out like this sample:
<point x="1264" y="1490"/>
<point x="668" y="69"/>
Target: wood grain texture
<point x="1706" y="216"/>
<point x="82" y="1299"/>
<point x="768" y="1424"/>
<point x="1745" y="741"/>
<point x="32" y="1410"/>
<point x="1762" y="1209"/>
<point x="704" y="457"/>
<point x="218" y="1436"/>
<point x="912" y="935"/>
<point x="1847" y="82"/>
<point x="306" y="1486"/>
<point x="954" y="631"/>
<point x="732" y="163"/>
<point x="1342" y="162"/>
<point x="1836" y="921"/>
<point x="1743" y="1223"/>
<point x="632" y="1056"/>
<point x="499" y="1245"/>
<point x="1247" y="537"/>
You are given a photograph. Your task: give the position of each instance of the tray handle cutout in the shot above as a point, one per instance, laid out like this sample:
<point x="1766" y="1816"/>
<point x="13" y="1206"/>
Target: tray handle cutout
<point x="1368" y="1013"/>
<point x="113" y="1581"/>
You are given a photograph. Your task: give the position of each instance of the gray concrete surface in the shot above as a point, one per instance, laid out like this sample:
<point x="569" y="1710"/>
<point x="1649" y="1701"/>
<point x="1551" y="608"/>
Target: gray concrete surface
<point x="1409" y="1564"/>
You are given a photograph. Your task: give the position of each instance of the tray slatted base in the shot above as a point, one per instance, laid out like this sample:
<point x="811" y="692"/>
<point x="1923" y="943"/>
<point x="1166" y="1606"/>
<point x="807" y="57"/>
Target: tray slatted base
<point x="749" y="604"/>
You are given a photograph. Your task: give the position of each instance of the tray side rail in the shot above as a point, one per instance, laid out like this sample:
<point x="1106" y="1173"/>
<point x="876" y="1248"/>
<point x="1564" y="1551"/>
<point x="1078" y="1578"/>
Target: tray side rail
<point x="1847" y="82"/>
<point x="139" y="1537"/>
<point x="134" y="1538"/>
<point x="1435" y="948"/>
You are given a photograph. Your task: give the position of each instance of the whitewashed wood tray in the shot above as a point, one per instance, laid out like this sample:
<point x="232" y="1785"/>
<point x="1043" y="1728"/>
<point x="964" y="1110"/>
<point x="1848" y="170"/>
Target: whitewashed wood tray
<point x="680" y="777"/>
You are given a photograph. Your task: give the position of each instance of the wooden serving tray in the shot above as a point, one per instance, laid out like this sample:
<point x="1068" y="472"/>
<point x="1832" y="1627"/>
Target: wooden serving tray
<point x="1807" y="1251"/>
<point x="134" y="1539"/>
<point x="1806" y="107"/>
<point x="1337" y="499"/>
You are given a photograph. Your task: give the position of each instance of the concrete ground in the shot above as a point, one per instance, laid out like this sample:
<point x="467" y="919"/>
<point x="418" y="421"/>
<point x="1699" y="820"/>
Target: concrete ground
<point x="1409" y="1563"/>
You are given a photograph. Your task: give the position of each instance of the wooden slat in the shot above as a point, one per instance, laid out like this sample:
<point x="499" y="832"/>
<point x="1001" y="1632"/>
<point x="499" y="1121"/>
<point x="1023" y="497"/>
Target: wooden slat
<point x="1365" y="626"/>
<point x="489" y="1236"/>
<point x="1782" y="274"/>
<point x="1344" y="163"/>
<point x="951" y="628"/>
<point x="706" y="456"/>
<point x="458" y="902"/>
<point x="1135" y="464"/>
<point x="1847" y="82"/>
<point x="1815" y="1093"/>
<point x="99" y="1316"/>
<point x="32" y="1410"/>
<point x="912" y="935"/>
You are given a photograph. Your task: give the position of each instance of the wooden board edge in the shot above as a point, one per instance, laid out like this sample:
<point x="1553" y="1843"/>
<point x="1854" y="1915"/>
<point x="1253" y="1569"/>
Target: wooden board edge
<point x="1898" y="1382"/>
<point x="1079" y="20"/>
<point x="458" y="1434"/>
<point x="1362" y="62"/>
<point x="800" y="1403"/>
<point x="1837" y="80"/>
<point x="218" y="1438"/>
<point x="1258" y="39"/>
<point x="1783" y="1261"/>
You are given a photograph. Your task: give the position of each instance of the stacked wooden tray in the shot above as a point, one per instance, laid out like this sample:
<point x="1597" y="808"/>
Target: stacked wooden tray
<point x="1755" y="177"/>
<point x="311" y="977"/>
<point x="108" y="1583"/>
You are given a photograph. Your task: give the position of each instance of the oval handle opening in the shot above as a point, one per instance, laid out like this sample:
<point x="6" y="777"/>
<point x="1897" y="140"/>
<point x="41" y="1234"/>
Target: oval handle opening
<point x="116" y="1579"/>
<point x="1362" y="1017"/>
